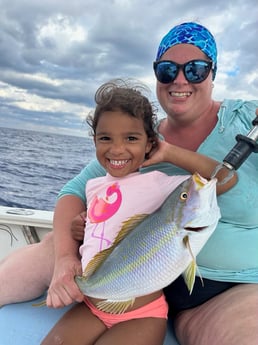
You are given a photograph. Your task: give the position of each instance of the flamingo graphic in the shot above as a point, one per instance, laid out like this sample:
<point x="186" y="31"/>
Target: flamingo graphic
<point x="100" y="210"/>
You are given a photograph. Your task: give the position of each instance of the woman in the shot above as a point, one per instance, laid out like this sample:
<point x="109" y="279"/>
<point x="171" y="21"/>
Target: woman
<point x="224" y="311"/>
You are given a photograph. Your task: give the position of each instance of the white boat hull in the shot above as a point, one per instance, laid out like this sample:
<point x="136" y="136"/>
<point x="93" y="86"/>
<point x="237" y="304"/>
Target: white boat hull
<point x="20" y="227"/>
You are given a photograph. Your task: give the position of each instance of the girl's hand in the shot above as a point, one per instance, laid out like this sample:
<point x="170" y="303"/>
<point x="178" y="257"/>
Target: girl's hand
<point x="158" y="154"/>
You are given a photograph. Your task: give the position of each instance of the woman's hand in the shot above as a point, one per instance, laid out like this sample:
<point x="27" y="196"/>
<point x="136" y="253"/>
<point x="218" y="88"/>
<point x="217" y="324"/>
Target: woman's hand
<point x="63" y="290"/>
<point x="77" y="226"/>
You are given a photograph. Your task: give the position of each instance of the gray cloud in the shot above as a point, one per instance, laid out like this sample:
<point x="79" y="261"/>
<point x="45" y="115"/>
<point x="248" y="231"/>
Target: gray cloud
<point x="62" y="51"/>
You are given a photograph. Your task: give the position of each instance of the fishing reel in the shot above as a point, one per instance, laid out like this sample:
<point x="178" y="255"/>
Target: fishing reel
<point x="240" y="152"/>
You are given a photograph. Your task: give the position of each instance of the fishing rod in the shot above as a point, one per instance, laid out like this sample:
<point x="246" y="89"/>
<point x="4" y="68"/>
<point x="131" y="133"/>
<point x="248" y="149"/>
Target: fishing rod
<point x="246" y="144"/>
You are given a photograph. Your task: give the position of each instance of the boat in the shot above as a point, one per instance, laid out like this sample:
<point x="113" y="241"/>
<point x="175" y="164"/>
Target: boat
<point x="20" y="226"/>
<point x="22" y="323"/>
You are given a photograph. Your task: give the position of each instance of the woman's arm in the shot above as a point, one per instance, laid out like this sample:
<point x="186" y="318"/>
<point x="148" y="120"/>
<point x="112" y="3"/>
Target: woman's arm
<point x="63" y="289"/>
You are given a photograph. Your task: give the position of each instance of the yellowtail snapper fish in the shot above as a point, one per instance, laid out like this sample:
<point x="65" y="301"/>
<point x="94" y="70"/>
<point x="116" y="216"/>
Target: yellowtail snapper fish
<point x="151" y="251"/>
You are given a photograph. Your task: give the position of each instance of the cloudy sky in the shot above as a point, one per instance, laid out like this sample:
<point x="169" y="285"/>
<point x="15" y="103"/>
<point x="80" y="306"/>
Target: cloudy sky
<point x="55" y="53"/>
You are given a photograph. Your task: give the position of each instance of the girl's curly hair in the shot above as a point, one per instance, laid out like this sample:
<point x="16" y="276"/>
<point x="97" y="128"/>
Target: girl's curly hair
<point x="128" y="97"/>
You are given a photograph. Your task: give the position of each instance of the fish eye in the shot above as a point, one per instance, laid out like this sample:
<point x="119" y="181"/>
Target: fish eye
<point x="183" y="196"/>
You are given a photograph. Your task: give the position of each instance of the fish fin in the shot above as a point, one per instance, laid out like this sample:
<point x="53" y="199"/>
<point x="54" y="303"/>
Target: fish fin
<point x="96" y="262"/>
<point x="99" y="258"/>
<point x="115" y="307"/>
<point x="127" y="226"/>
<point x="40" y="304"/>
<point x="190" y="272"/>
<point x="200" y="276"/>
<point x="189" y="276"/>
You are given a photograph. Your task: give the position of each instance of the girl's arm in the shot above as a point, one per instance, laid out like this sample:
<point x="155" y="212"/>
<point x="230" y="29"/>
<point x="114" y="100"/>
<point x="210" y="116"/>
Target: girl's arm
<point x="192" y="162"/>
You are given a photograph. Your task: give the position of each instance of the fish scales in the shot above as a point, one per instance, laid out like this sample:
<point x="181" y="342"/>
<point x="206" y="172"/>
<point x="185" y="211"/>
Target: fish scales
<point x="154" y="254"/>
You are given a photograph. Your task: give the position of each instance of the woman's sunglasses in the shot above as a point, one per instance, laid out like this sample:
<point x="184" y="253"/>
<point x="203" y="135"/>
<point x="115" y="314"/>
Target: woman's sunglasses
<point x="195" y="71"/>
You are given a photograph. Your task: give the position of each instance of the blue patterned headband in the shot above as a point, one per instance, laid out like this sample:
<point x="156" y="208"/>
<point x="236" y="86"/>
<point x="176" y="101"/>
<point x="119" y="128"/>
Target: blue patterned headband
<point x="190" y="33"/>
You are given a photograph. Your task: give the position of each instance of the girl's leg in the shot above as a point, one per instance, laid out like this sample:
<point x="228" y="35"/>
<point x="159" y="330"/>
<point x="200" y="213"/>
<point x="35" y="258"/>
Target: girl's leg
<point x="77" y="327"/>
<point x="26" y="273"/>
<point x="145" y="331"/>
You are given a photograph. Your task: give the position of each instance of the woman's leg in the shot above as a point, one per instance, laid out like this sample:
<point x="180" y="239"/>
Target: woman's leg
<point x="77" y="327"/>
<point x="26" y="273"/>
<point x="227" y="319"/>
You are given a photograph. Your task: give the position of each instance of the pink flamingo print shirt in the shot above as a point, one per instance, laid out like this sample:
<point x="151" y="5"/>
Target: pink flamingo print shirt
<point x="112" y="200"/>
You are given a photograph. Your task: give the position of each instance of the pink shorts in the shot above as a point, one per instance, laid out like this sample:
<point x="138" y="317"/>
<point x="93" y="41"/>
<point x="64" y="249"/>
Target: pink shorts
<point x="157" y="308"/>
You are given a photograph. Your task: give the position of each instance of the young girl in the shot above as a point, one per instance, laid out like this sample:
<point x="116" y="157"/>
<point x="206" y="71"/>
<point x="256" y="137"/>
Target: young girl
<point x="124" y="137"/>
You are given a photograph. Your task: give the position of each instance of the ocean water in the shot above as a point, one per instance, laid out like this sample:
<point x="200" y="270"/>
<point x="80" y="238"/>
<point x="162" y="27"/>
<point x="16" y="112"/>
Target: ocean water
<point x="35" y="165"/>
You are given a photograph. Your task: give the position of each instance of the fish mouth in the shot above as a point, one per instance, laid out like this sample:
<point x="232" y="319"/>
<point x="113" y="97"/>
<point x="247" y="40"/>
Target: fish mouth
<point x="197" y="229"/>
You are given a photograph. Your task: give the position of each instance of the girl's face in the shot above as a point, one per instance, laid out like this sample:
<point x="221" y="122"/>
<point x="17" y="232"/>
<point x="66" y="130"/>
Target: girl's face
<point x="180" y="98"/>
<point x="121" y="143"/>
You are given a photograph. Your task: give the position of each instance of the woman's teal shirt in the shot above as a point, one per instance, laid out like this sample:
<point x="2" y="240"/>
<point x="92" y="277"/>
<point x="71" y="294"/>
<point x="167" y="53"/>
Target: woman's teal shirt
<point x="231" y="254"/>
